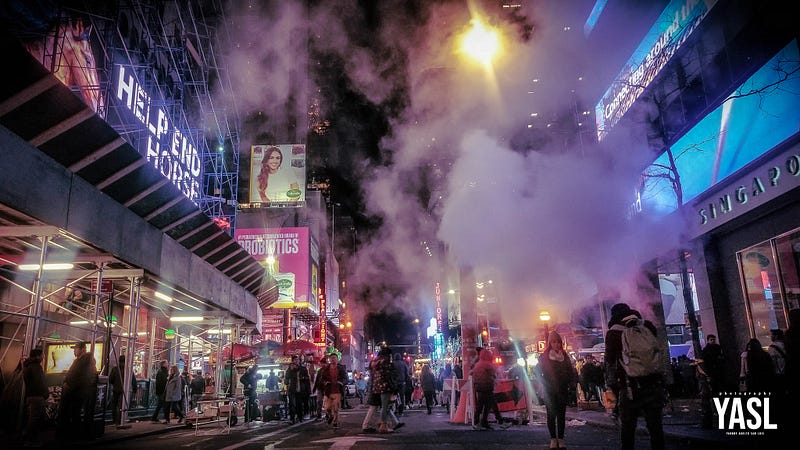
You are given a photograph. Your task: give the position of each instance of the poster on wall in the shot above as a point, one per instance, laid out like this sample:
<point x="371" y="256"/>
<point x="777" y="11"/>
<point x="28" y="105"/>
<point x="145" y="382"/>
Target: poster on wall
<point x="60" y="356"/>
<point x="278" y="175"/>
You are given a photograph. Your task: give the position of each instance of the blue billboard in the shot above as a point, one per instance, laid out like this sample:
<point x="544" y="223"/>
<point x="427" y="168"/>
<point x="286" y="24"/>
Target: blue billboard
<point x="760" y="114"/>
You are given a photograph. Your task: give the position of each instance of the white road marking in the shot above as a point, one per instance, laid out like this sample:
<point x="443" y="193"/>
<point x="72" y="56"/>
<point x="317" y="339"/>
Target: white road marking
<point x="346" y="442"/>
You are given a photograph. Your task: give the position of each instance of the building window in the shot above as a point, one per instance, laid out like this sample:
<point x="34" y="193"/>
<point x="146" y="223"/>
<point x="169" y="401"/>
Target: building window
<point x="770" y="274"/>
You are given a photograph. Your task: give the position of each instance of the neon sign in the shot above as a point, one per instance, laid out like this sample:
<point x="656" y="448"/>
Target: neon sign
<point x="167" y="148"/>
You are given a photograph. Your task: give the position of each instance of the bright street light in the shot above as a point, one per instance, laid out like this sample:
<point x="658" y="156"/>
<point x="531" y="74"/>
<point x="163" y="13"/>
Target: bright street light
<point x="481" y="43"/>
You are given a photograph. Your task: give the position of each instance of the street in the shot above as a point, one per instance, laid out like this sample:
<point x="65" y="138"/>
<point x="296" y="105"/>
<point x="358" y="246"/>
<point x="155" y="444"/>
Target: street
<point x="420" y="432"/>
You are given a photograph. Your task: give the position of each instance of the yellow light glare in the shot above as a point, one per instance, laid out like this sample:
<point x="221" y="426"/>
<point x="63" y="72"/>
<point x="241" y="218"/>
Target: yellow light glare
<point x="270" y="260"/>
<point x="481" y="43"/>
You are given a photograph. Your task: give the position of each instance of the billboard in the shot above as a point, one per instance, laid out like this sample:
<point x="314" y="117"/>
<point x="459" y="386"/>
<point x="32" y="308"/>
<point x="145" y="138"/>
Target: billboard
<point x="290" y="250"/>
<point x="278" y="175"/>
<point x="760" y="114"/>
<point x="60" y="356"/>
<point x="670" y="31"/>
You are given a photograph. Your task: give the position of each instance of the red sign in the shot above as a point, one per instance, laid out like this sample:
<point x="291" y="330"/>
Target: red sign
<point x="510" y="395"/>
<point x="107" y="286"/>
<point x="323" y="320"/>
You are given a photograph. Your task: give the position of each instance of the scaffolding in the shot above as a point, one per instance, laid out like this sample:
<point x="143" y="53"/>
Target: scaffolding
<point x="171" y="49"/>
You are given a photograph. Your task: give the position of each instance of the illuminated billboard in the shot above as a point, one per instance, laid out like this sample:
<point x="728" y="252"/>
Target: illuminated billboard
<point x="170" y="150"/>
<point x="288" y="253"/>
<point x="760" y="114"/>
<point x="60" y="356"/>
<point x="278" y="175"/>
<point x="670" y="31"/>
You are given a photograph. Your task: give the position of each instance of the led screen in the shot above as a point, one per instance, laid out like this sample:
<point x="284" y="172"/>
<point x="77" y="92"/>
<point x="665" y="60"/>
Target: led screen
<point x="759" y="114"/>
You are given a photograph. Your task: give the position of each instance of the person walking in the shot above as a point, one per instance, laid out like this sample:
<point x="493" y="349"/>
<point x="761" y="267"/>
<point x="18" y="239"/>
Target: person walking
<point x="172" y="395"/>
<point x="78" y="392"/>
<point x="298" y="388"/>
<point x="117" y="380"/>
<point x="777" y="351"/>
<point x="484" y="375"/>
<point x="383" y="385"/>
<point x="757" y="372"/>
<point x="635" y="394"/>
<point x="196" y="389"/>
<point x="249" y="380"/>
<point x="711" y="370"/>
<point x="558" y="376"/>
<point x="333" y="376"/>
<point x="402" y="378"/>
<point x="161" y="387"/>
<point x="36" y="394"/>
<point x="428" y="384"/>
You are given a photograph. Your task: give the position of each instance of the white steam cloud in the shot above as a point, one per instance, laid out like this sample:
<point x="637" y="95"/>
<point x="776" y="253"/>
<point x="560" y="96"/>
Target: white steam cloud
<point x="549" y="227"/>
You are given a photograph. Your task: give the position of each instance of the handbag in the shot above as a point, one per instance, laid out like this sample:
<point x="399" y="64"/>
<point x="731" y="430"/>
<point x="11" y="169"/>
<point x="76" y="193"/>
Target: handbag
<point x="609" y="400"/>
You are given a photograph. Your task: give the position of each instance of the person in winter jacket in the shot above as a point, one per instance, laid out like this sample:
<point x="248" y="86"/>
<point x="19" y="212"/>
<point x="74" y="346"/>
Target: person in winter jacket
<point x="635" y="396"/>
<point x="36" y="394"/>
<point x="558" y="377"/>
<point x="161" y="387"/>
<point x="484" y="375"/>
<point x="383" y="384"/>
<point x="428" y="382"/>
<point x="172" y="395"/>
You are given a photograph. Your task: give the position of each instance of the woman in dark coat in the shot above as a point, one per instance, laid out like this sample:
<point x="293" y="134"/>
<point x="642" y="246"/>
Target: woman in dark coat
<point x="757" y="371"/>
<point x="428" y="382"/>
<point x="558" y="376"/>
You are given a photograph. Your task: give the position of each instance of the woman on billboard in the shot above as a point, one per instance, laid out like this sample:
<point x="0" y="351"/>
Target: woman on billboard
<point x="275" y="184"/>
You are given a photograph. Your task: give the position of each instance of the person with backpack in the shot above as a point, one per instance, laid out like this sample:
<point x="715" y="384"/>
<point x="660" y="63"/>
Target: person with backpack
<point x="635" y="375"/>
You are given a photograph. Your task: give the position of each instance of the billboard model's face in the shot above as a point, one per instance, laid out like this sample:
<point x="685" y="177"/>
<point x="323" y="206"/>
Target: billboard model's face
<point x="273" y="162"/>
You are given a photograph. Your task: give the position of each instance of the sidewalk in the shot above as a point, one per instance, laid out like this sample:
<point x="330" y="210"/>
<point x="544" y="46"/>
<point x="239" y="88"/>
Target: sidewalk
<point x="681" y="420"/>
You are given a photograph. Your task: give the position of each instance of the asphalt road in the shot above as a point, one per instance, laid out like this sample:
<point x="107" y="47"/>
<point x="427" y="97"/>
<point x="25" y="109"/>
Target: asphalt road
<point x="421" y="431"/>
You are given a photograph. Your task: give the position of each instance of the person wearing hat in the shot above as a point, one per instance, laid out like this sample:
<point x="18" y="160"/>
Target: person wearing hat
<point x="558" y="377"/>
<point x="613" y="370"/>
<point x="76" y="409"/>
<point x="36" y="394"/>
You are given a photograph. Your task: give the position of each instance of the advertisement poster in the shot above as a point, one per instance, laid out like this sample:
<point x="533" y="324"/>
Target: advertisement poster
<point x="278" y="175"/>
<point x="61" y="356"/>
<point x="289" y="248"/>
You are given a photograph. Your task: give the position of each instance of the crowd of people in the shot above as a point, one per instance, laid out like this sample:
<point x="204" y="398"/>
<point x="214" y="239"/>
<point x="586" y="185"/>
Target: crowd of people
<point x="390" y="385"/>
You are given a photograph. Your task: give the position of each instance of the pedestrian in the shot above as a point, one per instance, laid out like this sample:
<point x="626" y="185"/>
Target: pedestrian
<point x="591" y="376"/>
<point x="428" y="384"/>
<point x="373" y="403"/>
<point x="272" y="381"/>
<point x="402" y="378"/>
<point x="249" y="380"/>
<point x="361" y="386"/>
<point x="36" y="394"/>
<point x="777" y="351"/>
<point x="78" y="393"/>
<point x="161" y="388"/>
<point x="298" y="388"/>
<point x="484" y="375"/>
<point x="637" y="394"/>
<point x="185" y="380"/>
<point x="558" y="376"/>
<point x="791" y="371"/>
<point x="757" y="372"/>
<point x="333" y="376"/>
<point x="196" y="388"/>
<point x="383" y="384"/>
<point x="117" y="379"/>
<point x="711" y="370"/>
<point x="172" y="395"/>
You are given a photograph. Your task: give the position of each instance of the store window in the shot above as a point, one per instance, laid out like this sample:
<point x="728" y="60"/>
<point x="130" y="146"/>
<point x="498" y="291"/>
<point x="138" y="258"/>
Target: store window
<point x="771" y="282"/>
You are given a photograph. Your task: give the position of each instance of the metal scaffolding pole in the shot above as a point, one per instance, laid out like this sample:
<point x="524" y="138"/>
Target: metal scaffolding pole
<point x="133" y="324"/>
<point x="32" y="330"/>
